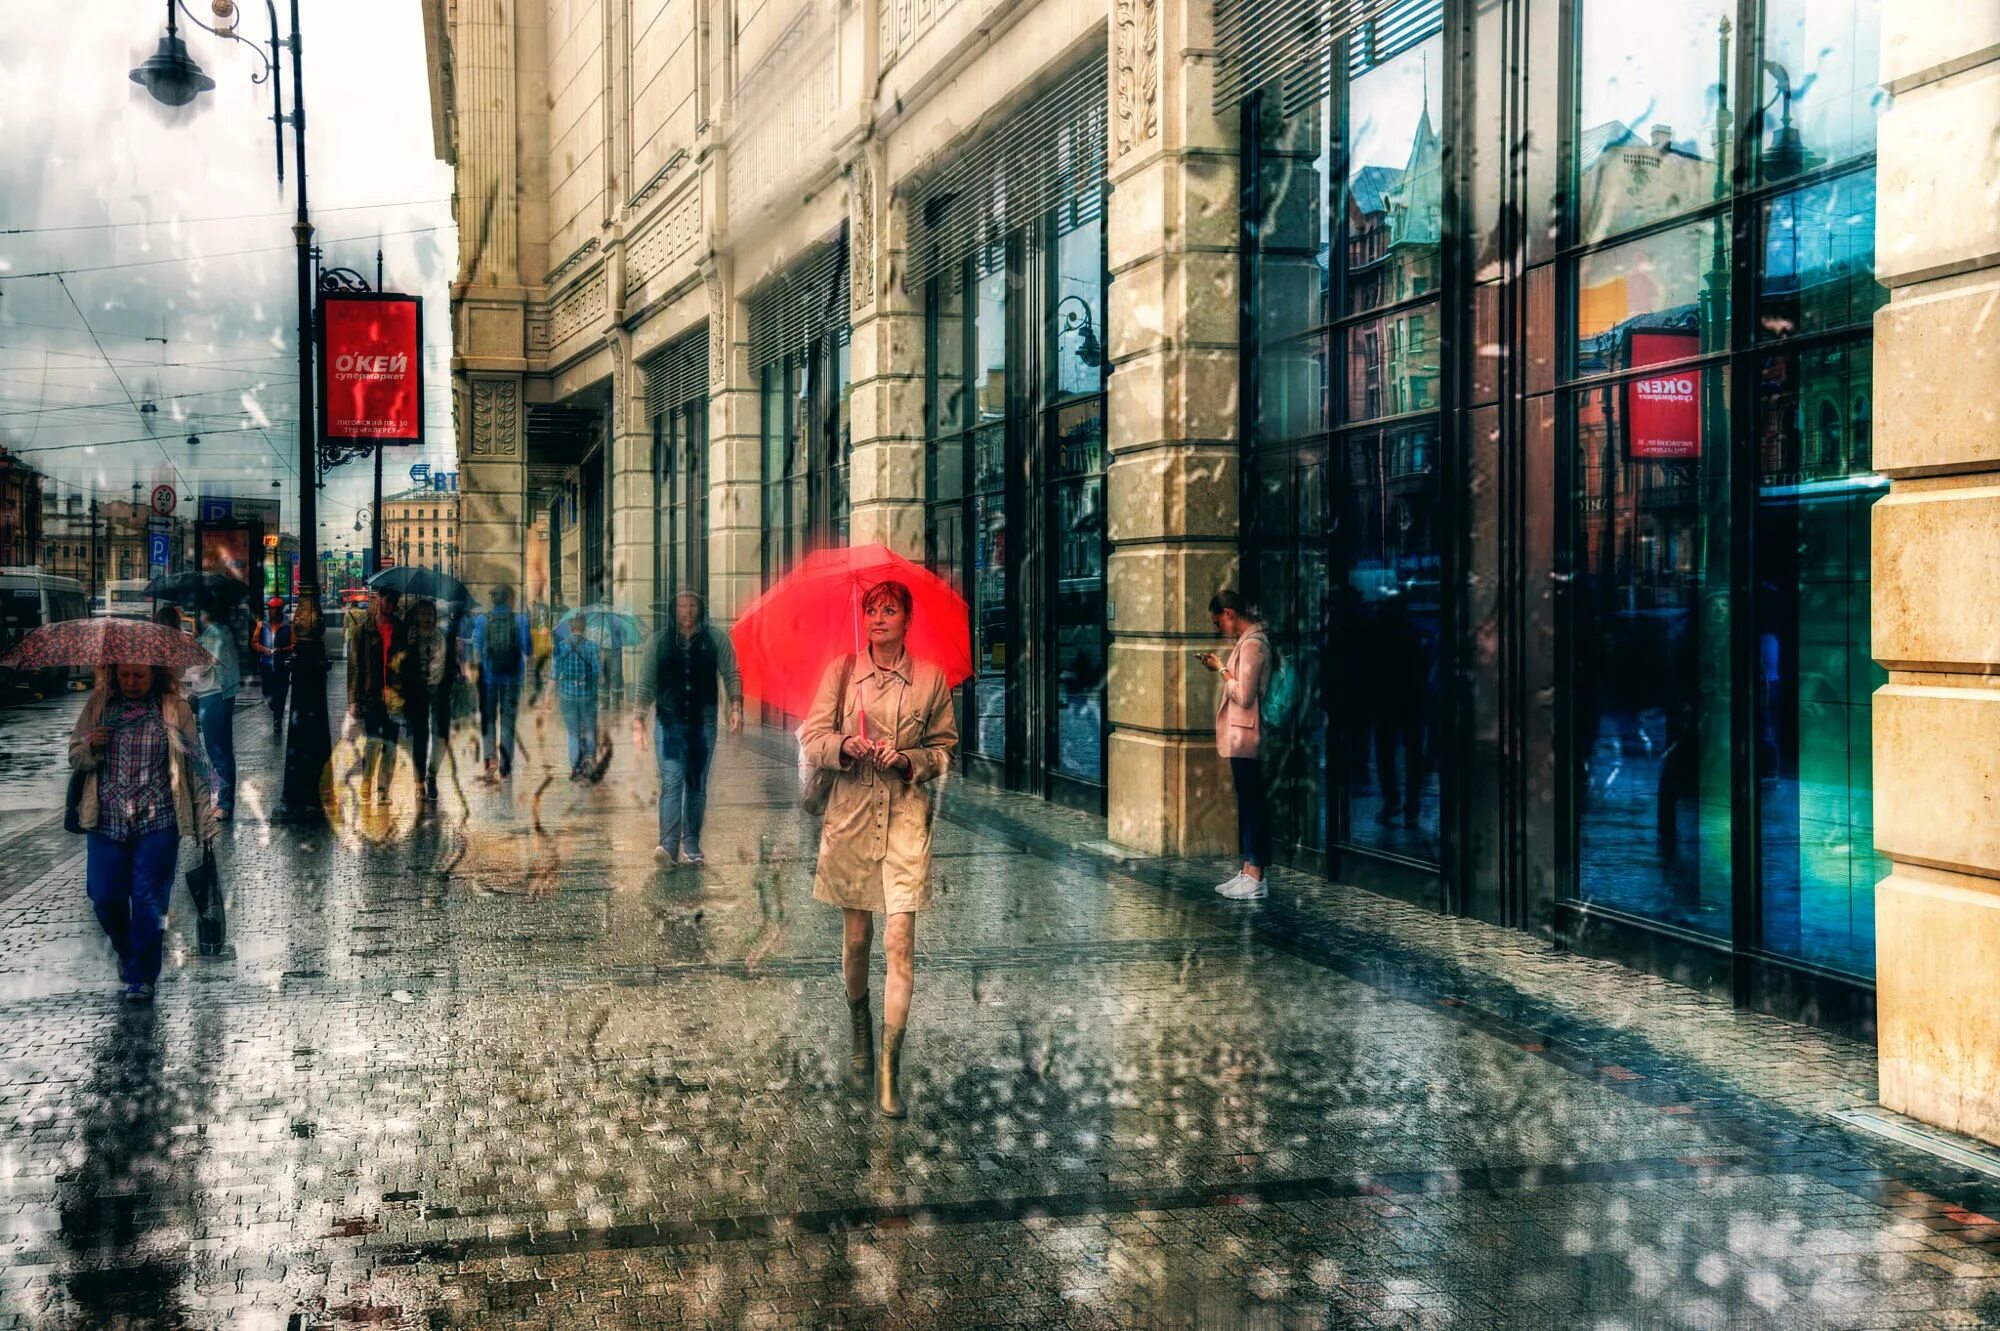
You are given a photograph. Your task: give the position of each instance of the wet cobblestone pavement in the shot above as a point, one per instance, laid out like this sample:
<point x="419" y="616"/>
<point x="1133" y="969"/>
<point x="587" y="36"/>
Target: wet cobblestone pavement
<point x="493" y="1069"/>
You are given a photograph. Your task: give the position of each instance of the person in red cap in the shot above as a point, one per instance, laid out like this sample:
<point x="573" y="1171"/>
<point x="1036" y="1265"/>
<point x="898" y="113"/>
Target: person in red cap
<point x="274" y="642"/>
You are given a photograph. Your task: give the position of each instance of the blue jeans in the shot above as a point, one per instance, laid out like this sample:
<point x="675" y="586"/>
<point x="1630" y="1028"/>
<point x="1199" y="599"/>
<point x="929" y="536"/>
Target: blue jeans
<point x="218" y="736"/>
<point x="683" y="752"/>
<point x="130" y="884"/>
<point x="503" y="699"/>
<point x="580" y="719"/>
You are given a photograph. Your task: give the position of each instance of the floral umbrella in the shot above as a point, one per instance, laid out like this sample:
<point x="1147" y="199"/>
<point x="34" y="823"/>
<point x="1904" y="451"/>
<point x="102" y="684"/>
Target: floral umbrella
<point x="100" y="642"/>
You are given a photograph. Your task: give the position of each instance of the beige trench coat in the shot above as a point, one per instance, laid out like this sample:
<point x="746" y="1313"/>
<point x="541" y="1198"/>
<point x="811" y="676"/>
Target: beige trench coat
<point x="875" y="846"/>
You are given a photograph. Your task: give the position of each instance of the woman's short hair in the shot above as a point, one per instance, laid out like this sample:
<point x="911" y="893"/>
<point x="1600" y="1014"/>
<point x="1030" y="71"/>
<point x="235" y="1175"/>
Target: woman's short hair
<point x="887" y="591"/>
<point x="1234" y="601"/>
<point x="164" y="684"/>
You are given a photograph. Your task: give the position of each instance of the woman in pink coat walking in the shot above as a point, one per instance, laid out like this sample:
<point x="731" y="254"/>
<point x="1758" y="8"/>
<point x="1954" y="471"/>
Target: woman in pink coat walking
<point x="1239" y="733"/>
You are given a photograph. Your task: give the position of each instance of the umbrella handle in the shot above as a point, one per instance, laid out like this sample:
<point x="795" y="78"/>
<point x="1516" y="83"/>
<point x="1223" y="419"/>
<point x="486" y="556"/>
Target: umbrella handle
<point x="860" y="712"/>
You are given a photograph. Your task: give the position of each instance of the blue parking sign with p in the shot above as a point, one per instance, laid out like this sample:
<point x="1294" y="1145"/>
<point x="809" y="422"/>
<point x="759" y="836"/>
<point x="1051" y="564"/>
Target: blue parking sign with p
<point x="156" y="549"/>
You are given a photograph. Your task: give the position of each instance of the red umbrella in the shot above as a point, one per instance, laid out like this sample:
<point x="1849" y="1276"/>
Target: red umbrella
<point x="786" y="637"/>
<point x="106" y="641"/>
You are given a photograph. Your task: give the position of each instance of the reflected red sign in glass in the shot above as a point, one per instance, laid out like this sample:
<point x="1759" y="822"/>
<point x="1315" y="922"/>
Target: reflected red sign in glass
<point x="371" y="368"/>
<point x="1663" y="411"/>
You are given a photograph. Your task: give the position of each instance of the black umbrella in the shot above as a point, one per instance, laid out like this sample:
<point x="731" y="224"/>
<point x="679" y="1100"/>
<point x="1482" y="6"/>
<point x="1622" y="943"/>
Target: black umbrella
<point x="424" y="582"/>
<point x="197" y="588"/>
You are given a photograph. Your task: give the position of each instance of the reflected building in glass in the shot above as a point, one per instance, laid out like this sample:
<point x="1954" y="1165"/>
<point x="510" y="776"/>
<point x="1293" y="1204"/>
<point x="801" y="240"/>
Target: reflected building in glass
<point x="1558" y="392"/>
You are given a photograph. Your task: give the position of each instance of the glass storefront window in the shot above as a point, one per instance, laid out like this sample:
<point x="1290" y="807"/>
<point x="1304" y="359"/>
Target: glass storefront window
<point x="1392" y="364"/>
<point x="1076" y="502"/>
<point x="1394" y="196"/>
<point x="1661" y="298"/>
<point x="1392" y="638"/>
<point x="1650" y="643"/>
<point x="1818" y="272"/>
<point x="1076" y="313"/>
<point x="1815" y="678"/>
<point x="1654" y="102"/>
<point x="1822" y="92"/>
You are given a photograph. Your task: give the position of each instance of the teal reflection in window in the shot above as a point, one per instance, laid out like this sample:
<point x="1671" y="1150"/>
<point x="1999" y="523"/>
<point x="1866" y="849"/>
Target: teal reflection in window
<point x="1395" y="178"/>
<point x="1815" y="677"/>
<point x="1819" y="258"/>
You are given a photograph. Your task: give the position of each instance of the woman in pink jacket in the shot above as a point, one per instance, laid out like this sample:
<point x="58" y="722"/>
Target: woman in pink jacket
<point x="1239" y="732"/>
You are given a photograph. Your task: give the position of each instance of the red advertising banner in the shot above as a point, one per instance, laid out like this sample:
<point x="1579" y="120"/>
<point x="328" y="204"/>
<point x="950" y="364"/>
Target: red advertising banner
<point x="371" y="368"/>
<point x="1663" y="411"/>
<point x="227" y="553"/>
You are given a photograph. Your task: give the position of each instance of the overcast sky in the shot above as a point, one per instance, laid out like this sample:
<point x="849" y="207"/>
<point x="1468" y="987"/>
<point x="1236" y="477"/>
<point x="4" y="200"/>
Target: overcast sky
<point x="172" y="224"/>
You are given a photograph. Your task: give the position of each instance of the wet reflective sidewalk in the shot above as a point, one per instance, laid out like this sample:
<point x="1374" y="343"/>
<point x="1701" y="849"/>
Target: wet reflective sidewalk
<point x="490" y="1068"/>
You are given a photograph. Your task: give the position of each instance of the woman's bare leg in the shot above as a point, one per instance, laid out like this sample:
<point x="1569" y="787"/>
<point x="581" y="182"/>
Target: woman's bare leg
<point x="857" y="936"/>
<point x="899" y="943"/>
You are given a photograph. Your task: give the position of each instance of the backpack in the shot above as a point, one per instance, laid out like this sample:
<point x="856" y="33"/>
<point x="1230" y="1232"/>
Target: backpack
<point x="1284" y="692"/>
<point x="503" y="640"/>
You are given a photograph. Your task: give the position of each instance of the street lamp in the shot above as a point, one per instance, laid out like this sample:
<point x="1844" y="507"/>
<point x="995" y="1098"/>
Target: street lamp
<point x="173" y="78"/>
<point x="170" y="73"/>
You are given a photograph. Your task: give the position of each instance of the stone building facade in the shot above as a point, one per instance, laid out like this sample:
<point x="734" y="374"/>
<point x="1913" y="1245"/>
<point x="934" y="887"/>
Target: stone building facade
<point x="1614" y="455"/>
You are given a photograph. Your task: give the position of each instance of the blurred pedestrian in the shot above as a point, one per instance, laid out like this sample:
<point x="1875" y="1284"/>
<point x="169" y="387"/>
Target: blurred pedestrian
<point x="144" y="789"/>
<point x="684" y="668"/>
<point x="275" y="643"/>
<point x="500" y="648"/>
<point x="376" y="671"/>
<point x="578" y="666"/>
<point x="215" y="689"/>
<point x="884" y="724"/>
<point x="613" y="650"/>
<point x="1239" y="733"/>
<point x="428" y="677"/>
<point x="168" y="616"/>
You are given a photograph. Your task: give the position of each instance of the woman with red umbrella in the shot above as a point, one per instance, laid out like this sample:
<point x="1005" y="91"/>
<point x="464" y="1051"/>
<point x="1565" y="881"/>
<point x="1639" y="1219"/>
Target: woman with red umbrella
<point x="883" y="723"/>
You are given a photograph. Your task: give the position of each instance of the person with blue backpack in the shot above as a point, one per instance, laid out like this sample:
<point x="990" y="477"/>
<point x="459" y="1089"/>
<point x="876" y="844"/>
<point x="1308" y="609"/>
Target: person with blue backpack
<point x="500" y="646"/>
<point x="1258" y="695"/>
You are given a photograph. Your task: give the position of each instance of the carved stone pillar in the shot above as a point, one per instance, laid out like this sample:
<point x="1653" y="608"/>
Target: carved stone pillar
<point x="886" y="475"/>
<point x="492" y="479"/>
<point x="631" y="481"/>
<point x="1936" y="568"/>
<point x="735" y="436"/>
<point x="1173" y="473"/>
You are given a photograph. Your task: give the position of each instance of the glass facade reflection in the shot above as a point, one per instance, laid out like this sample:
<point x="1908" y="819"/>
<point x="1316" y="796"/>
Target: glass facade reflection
<point x="1014" y="463"/>
<point x="1566" y="490"/>
<point x="680" y="503"/>
<point x="1721" y="483"/>
<point x="1344" y="553"/>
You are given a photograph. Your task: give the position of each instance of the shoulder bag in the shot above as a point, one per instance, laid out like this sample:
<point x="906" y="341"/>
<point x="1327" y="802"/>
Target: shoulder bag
<point x="816" y="782"/>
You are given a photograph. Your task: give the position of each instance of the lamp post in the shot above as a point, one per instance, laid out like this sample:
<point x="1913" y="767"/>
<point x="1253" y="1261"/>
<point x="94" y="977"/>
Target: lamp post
<point x="173" y="78"/>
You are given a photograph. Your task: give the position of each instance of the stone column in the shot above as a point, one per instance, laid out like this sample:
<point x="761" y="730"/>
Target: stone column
<point x="1936" y="566"/>
<point x="491" y="481"/>
<point x="1173" y="475"/>
<point x="488" y="300"/>
<point x="735" y="466"/>
<point x="631" y="481"/>
<point x="886" y="485"/>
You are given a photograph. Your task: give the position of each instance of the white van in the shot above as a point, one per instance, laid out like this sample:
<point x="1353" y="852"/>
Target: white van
<point x="30" y="598"/>
<point x="127" y="599"/>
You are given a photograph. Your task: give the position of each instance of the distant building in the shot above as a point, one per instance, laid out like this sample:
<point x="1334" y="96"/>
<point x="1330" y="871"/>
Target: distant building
<point x="20" y="511"/>
<point x="420" y="529"/>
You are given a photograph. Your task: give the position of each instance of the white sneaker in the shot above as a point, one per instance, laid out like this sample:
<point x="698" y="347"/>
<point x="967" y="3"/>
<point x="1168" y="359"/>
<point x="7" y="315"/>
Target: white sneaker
<point x="1244" y="888"/>
<point x="1228" y="885"/>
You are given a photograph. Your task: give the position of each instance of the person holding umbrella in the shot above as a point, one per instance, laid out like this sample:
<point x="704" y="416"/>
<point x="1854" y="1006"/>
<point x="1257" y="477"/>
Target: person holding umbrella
<point x="144" y="790"/>
<point x="883" y="723"/>
<point x="275" y="643"/>
<point x="215" y="702"/>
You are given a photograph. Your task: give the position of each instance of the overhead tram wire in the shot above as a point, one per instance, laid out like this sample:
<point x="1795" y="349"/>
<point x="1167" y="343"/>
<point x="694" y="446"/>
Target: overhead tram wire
<point x="85" y="319"/>
<point x="224" y="217"/>
<point x="207" y="258"/>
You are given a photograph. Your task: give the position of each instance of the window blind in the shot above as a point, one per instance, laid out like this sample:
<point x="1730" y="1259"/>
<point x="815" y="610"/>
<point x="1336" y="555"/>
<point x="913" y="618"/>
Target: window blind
<point x="1049" y="154"/>
<point x="677" y="373"/>
<point x="1293" y="41"/>
<point x="790" y="311"/>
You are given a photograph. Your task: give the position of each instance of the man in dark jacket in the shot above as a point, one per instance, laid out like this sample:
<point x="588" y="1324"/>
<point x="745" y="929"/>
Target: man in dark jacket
<point x="683" y="669"/>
